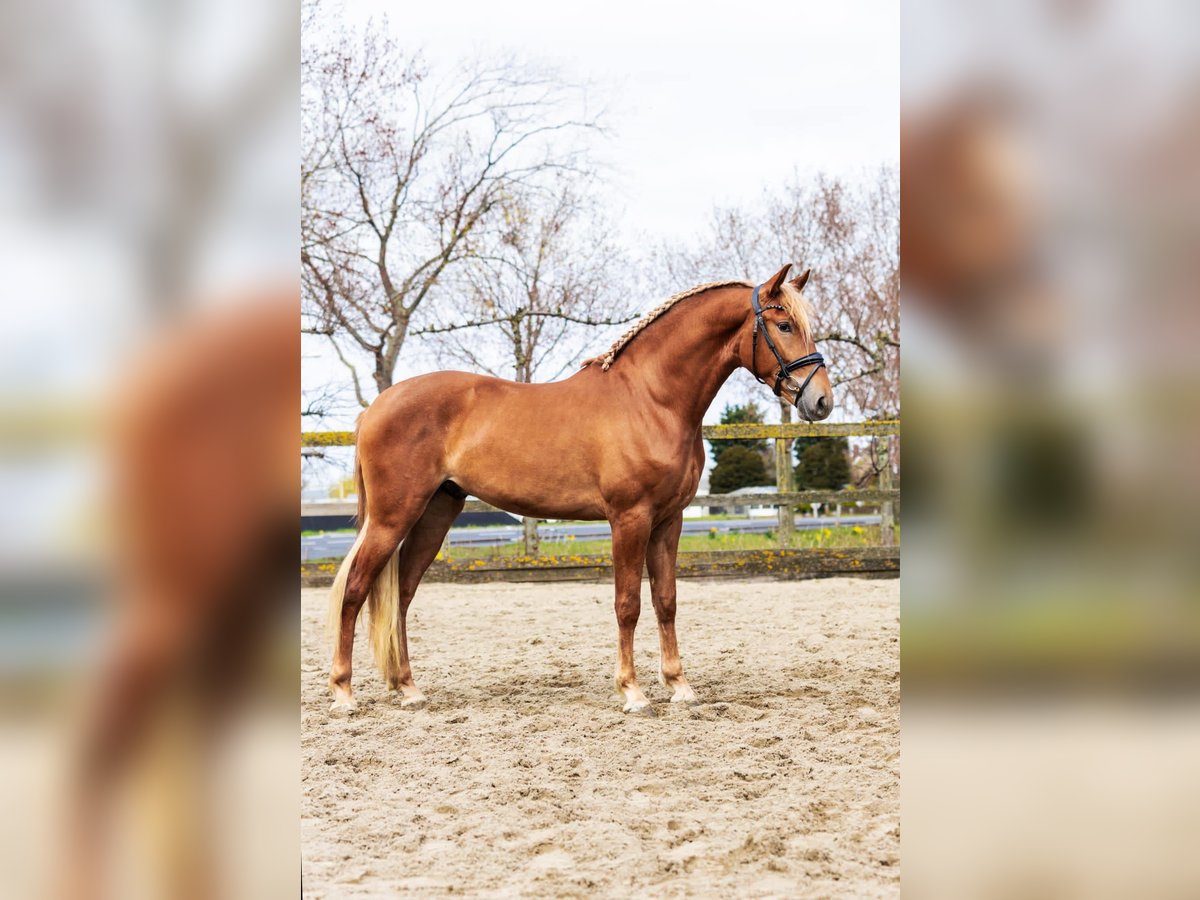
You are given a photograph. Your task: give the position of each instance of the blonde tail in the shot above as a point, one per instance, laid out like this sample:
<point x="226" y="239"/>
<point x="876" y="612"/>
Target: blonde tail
<point x="384" y="628"/>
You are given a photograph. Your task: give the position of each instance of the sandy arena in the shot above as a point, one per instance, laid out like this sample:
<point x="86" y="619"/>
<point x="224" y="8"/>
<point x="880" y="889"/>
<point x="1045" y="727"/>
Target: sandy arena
<point x="523" y="777"/>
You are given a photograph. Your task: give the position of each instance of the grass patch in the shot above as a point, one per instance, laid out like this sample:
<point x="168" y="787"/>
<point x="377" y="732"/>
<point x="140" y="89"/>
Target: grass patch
<point x="842" y="536"/>
<point x="316" y="533"/>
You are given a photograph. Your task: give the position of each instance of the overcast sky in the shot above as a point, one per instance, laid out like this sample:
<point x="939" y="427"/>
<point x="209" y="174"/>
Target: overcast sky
<point x="708" y="103"/>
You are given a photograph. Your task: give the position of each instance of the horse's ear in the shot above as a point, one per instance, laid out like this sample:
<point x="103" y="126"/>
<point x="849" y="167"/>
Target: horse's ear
<point x="775" y="282"/>
<point x="800" y="281"/>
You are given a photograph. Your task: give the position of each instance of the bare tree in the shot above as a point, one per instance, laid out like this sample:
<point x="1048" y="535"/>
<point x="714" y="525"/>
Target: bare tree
<point x="857" y="294"/>
<point x="319" y="403"/>
<point x="404" y="170"/>
<point x="851" y="238"/>
<point x="539" y="288"/>
<point x="854" y="235"/>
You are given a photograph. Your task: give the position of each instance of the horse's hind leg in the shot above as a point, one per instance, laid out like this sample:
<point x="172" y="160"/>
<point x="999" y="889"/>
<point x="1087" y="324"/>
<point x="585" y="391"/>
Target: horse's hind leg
<point x="420" y="549"/>
<point x="382" y="532"/>
<point x="660" y="563"/>
<point x="374" y="548"/>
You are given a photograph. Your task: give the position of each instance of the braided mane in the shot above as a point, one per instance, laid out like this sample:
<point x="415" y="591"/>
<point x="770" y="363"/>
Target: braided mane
<point x="790" y="297"/>
<point x="606" y="359"/>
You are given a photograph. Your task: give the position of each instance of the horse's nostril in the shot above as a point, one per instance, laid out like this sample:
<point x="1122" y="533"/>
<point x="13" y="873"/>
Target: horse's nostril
<point x="821" y="403"/>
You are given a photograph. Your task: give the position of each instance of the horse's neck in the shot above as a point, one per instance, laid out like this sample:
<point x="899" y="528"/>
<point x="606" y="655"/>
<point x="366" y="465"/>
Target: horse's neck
<point x="682" y="361"/>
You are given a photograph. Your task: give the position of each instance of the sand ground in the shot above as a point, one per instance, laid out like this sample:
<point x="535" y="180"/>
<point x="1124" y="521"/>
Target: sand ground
<point x="523" y="777"/>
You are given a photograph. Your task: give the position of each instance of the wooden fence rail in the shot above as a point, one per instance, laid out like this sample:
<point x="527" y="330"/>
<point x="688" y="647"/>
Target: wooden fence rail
<point x="785" y="431"/>
<point x="785" y="499"/>
<point x="869" y="497"/>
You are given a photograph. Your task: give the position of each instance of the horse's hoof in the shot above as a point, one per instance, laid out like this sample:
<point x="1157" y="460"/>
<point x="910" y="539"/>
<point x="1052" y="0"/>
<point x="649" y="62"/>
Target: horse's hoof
<point x="689" y="698"/>
<point x="413" y="703"/>
<point x="645" y="710"/>
<point x="339" y="709"/>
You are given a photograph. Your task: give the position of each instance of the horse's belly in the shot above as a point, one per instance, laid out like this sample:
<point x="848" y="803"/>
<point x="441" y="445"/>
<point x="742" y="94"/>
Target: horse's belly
<point x="536" y="495"/>
<point x="542" y="488"/>
<point x="541" y="508"/>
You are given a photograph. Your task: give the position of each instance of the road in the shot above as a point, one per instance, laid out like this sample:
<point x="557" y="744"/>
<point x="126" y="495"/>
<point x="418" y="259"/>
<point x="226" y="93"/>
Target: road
<point x="321" y="546"/>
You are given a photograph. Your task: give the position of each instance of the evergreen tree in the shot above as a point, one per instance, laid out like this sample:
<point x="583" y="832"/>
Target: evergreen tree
<point x="747" y="414"/>
<point x="823" y="463"/>
<point x="738" y="414"/>
<point x="737" y="467"/>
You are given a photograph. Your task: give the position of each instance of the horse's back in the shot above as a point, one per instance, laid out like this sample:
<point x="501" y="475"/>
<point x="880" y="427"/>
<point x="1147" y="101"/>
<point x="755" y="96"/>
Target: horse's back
<point x="439" y="401"/>
<point x="500" y="440"/>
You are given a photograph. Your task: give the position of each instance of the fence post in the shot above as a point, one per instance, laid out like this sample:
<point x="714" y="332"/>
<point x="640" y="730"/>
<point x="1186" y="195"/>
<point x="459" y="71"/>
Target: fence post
<point x="887" y="510"/>
<point x="783" y="480"/>
<point x="532" y="541"/>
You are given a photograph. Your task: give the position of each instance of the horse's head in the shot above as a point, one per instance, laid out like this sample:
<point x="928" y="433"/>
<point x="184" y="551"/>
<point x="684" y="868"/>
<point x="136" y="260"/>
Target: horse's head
<point x="782" y="352"/>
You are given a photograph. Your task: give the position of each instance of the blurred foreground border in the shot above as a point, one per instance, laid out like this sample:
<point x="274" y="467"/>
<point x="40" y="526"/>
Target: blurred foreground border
<point x="149" y="375"/>
<point x="1051" y="599"/>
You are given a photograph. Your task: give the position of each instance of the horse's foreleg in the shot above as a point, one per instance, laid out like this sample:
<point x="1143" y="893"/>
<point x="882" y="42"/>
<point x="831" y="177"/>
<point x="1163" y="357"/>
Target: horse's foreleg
<point x="630" y="533"/>
<point x="660" y="562"/>
<point x="419" y="549"/>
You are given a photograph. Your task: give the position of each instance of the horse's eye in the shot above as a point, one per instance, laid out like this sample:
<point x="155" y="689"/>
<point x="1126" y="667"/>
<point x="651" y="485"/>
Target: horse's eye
<point x="785" y="327"/>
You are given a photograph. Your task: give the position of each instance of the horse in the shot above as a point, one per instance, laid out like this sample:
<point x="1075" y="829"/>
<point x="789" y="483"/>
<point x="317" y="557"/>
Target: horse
<point x="620" y="439"/>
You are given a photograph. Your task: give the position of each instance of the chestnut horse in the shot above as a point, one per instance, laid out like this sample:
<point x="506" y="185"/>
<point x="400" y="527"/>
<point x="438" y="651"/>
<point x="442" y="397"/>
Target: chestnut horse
<point x="618" y="440"/>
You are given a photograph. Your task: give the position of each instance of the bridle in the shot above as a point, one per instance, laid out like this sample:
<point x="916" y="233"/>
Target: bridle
<point x="814" y="359"/>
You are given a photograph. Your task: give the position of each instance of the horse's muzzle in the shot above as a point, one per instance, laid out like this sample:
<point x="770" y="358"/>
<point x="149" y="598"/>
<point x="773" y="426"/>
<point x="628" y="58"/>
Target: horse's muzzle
<point x="818" y="409"/>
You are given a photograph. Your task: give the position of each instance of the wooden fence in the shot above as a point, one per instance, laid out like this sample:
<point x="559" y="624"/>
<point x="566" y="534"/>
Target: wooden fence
<point x="787" y="561"/>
